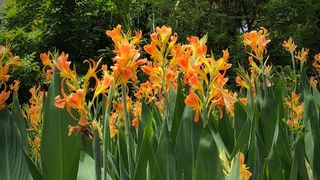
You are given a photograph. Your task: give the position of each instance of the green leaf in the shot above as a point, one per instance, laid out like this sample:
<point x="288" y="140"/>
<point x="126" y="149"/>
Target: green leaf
<point x="268" y="120"/>
<point x="147" y="157"/>
<point x="187" y="142"/>
<point x="12" y="164"/>
<point x="86" y="167"/>
<point x="226" y="131"/>
<point x="243" y="139"/>
<point x="170" y="107"/>
<point x="166" y="156"/>
<point x="208" y="163"/>
<point x="60" y="153"/>
<point x="235" y="171"/>
<point x="298" y="169"/>
<point x="240" y="117"/>
<point x="18" y="118"/>
<point x="178" y="111"/>
<point x="35" y="172"/>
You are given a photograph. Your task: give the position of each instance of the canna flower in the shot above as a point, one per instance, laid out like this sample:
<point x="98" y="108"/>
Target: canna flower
<point x="4" y="95"/>
<point x="35" y="108"/>
<point x="289" y="45"/>
<point x="48" y="65"/>
<point x="313" y="82"/>
<point x="113" y="129"/>
<point x="245" y="174"/>
<point x="115" y="35"/>
<point x="136" y="112"/>
<point x="135" y="122"/>
<point x="15" y="86"/>
<point x="194" y="102"/>
<point x="302" y="55"/>
<point x="242" y="83"/>
<point x="77" y="100"/>
<point x="316" y="63"/>
<point x="103" y="84"/>
<point x="257" y="41"/>
<point x="63" y="65"/>
<point x="296" y="110"/>
<point x="4" y="73"/>
<point x="164" y="32"/>
<point x="33" y="114"/>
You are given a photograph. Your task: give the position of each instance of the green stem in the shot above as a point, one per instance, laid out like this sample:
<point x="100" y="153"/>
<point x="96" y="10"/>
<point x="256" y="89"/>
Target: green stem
<point x="127" y="127"/>
<point x="106" y="132"/>
<point x="96" y="151"/>
<point x="294" y="71"/>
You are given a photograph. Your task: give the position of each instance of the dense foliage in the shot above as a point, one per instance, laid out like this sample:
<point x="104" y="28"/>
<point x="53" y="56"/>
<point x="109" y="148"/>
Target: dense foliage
<point x="180" y="121"/>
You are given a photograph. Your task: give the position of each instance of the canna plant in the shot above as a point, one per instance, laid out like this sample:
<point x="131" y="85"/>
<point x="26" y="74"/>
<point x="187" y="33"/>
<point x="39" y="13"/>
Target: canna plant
<point x="178" y="122"/>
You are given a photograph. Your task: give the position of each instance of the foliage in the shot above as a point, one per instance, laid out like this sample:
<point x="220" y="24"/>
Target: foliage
<point x="181" y="122"/>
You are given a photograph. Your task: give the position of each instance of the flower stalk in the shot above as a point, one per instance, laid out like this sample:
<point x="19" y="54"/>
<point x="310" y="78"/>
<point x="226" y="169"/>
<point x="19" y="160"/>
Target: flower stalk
<point x="127" y="127"/>
<point x="106" y="131"/>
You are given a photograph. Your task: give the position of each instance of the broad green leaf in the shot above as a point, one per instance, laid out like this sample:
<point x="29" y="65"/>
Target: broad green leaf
<point x="170" y="107"/>
<point x="226" y="131"/>
<point x="243" y="139"/>
<point x="208" y="163"/>
<point x="178" y="111"/>
<point x="86" y="167"/>
<point x="240" y="117"/>
<point x="20" y="121"/>
<point x="147" y="156"/>
<point x="235" y="171"/>
<point x="311" y="116"/>
<point x="60" y="153"/>
<point x="166" y="156"/>
<point x="12" y="164"/>
<point x="187" y="142"/>
<point x="298" y="169"/>
<point x="268" y="119"/>
<point x="35" y="172"/>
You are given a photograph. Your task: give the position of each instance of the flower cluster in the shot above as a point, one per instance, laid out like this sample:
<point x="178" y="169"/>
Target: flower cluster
<point x="257" y="41"/>
<point x="7" y="62"/>
<point x="33" y="115"/>
<point x="205" y="77"/>
<point x="295" y="112"/>
<point x="245" y="174"/>
<point x="162" y="70"/>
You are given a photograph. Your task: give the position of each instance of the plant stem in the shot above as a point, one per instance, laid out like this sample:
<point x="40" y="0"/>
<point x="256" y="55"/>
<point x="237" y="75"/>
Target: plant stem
<point x="106" y="131"/>
<point x="294" y="71"/>
<point x="96" y="151"/>
<point x="127" y="127"/>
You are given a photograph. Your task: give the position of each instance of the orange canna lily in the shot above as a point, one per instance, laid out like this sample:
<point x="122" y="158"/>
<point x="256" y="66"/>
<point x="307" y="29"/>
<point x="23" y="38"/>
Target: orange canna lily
<point x="135" y="122"/>
<point x="193" y="101"/>
<point x="289" y="45"/>
<point x="4" y="95"/>
<point x="302" y="55"/>
<point x="115" y="35"/>
<point x="244" y="172"/>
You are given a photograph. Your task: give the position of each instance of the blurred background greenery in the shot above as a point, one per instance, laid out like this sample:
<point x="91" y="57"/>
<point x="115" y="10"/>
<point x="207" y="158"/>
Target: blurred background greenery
<point x="78" y="26"/>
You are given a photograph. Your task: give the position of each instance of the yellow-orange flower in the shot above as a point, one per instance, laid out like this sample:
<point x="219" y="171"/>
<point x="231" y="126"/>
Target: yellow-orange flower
<point x="289" y="45"/>
<point x="257" y="40"/>
<point x="302" y="55"/>
<point x="296" y="110"/>
<point x="244" y="172"/>
<point x="313" y="81"/>
<point x="194" y="102"/>
<point x="316" y="62"/>
<point x="4" y="95"/>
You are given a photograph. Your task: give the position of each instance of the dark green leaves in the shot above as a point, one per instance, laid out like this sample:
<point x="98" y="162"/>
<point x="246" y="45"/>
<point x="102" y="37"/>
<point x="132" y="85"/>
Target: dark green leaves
<point x="60" y="153"/>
